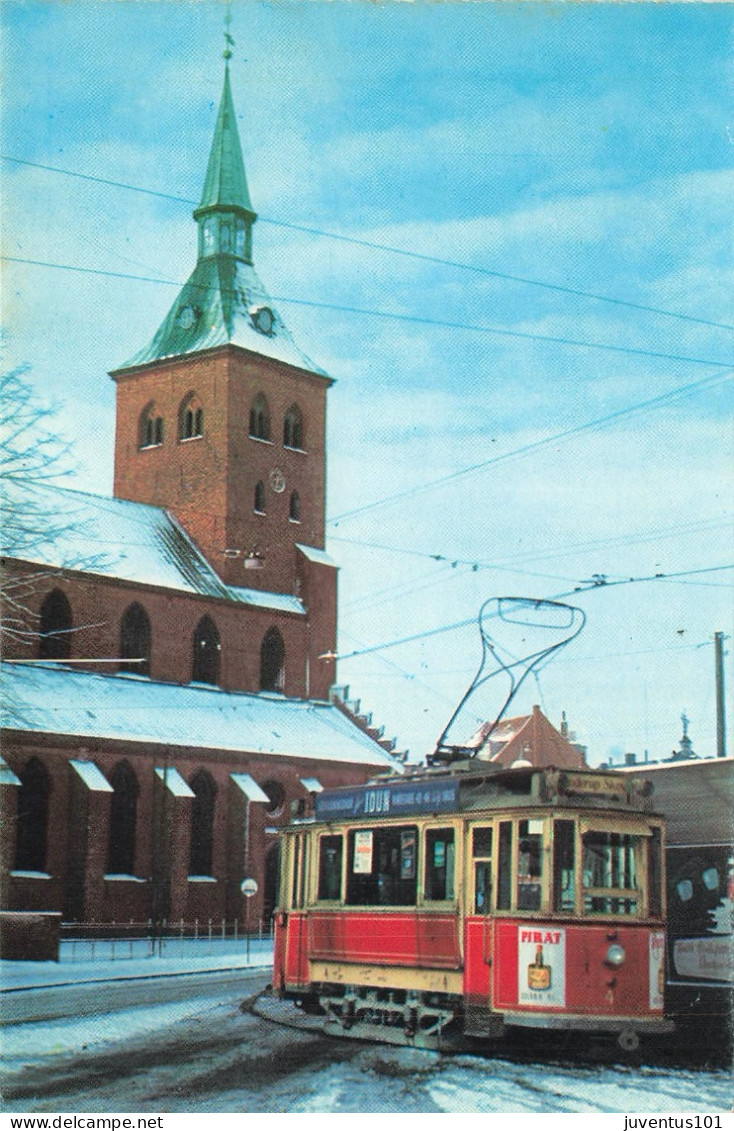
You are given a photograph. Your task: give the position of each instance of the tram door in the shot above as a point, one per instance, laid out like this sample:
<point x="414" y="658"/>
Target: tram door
<point x="478" y="943"/>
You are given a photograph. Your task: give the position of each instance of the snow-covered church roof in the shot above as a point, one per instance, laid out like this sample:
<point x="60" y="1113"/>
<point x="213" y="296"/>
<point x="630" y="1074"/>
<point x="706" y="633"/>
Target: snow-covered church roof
<point x="51" y="699"/>
<point x="116" y="538"/>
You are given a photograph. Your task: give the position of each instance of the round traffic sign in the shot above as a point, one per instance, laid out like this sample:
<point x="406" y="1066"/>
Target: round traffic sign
<point x="249" y="887"/>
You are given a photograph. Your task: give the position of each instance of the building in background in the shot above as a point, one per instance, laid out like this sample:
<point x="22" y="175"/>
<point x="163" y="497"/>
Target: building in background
<point x="175" y="705"/>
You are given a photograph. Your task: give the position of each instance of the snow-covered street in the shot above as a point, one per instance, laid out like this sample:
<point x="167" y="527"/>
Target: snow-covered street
<point x="207" y="1054"/>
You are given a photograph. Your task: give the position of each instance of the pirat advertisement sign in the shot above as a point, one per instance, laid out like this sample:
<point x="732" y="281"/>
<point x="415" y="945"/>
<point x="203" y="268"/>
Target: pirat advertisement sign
<point x="541" y="966"/>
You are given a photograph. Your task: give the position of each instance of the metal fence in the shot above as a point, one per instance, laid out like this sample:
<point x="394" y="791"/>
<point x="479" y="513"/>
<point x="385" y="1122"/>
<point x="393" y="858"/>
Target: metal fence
<point x="92" y="942"/>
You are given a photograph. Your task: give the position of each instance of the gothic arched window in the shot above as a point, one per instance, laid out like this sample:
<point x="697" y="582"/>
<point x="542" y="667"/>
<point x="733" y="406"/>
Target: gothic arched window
<point x="123" y="820"/>
<point x="135" y="639"/>
<point x="260" y="497"/>
<point x="32" y="828"/>
<point x="202" y="823"/>
<point x="295" y="507"/>
<point x="55" y="627"/>
<point x="272" y="661"/>
<point x="207" y="650"/>
<point x="190" y="418"/>
<point x="260" y="418"/>
<point x="151" y="426"/>
<point x="293" y="428"/>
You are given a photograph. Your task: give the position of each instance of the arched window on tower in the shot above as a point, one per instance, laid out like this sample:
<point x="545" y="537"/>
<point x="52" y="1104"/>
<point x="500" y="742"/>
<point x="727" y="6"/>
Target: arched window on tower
<point x="272" y="661"/>
<point x="123" y="820"/>
<point x="32" y="822"/>
<point x="260" y="497"/>
<point x="207" y="651"/>
<point x="293" y="428"/>
<point x="260" y="418"/>
<point x="202" y="823"/>
<point x="295" y="507"/>
<point x="151" y="426"/>
<point x="135" y="640"/>
<point x="190" y="418"/>
<point x="55" y="627"/>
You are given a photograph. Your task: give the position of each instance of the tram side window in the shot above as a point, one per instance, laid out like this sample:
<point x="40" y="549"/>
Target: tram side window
<point x="382" y="867"/>
<point x="610" y="873"/>
<point x="564" y="872"/>
<point x="529" y="865"/>
<point x="440" y="855"/>
<point x="504" y="867"/>
<point x="330" y="867"/>
<point x="482" y="854"/>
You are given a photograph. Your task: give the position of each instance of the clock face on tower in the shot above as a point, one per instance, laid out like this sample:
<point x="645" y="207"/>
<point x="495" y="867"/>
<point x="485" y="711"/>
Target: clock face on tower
<point x="263" y="319"/>
<point x="277" y="481"/>
<point x="186" y="317"/>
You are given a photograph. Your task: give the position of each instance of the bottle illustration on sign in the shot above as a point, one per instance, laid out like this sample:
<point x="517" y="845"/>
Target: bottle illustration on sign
<point x="539" y="975"/>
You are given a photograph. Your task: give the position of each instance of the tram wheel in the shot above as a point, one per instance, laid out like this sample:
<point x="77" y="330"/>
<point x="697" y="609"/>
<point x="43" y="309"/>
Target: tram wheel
<point x="628" y="1040"/>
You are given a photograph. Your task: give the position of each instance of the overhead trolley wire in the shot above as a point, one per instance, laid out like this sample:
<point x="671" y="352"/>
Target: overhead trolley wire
<point x="499" y="331"/>
<point x="374" y="245"/>
<point x="535" y="445"/>
<point x="600" y="583"/>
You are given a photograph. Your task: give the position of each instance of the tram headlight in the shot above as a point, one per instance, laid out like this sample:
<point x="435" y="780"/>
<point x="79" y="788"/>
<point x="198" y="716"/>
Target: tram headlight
<point x="616" y="955"/>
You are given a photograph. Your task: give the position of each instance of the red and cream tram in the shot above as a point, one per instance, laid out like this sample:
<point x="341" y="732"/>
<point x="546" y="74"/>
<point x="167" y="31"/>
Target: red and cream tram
<point x="477" y="900"/>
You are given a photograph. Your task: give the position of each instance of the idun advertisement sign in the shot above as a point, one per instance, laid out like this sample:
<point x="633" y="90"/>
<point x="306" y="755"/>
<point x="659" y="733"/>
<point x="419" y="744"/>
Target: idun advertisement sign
<point x="541" y="967"/>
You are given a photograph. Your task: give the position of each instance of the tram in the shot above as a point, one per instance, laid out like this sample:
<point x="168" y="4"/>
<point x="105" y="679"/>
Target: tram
<point x="480" y="900"/>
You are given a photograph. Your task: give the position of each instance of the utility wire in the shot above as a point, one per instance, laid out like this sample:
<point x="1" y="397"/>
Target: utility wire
<point x="395" y="316"/>
<point x="536" y="445"/>
<point x="600" y="582"/>
<point x="376" y="246"/>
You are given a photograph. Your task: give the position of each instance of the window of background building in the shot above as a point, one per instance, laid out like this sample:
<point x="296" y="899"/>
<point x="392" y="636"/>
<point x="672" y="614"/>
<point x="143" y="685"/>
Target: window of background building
<point x="123" y="820"/>
<point x="293" y="428"/>
<point x="202" y="823"/>
<point x="190" y="418"/>
<point x="135" y="640"/>
<point x="260" y="418"/>
<point x="207" y="652"/>
<point x="151" y="427"/>
<point x="55" y="627"/>
<point x="272" y="661"/>
<point x="32" y="827"/>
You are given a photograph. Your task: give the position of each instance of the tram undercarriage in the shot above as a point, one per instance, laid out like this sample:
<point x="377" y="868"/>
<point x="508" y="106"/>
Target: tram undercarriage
<point x="439" y="1021"/>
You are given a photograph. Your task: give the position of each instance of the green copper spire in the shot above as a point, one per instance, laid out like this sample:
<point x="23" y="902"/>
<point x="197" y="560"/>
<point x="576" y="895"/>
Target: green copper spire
<point x="224" y="302"/>
<point x="225" y="214"/>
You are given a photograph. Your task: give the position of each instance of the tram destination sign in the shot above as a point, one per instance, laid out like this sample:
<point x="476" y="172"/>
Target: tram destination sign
<point x="388" y="799"/>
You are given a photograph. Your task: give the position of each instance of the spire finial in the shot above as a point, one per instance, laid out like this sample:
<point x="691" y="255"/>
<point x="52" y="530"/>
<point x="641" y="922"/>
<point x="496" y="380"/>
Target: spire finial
<point x="228" y="40"/>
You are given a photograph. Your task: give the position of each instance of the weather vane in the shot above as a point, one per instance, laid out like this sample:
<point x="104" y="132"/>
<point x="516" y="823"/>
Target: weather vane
<point x="228" y="40"/>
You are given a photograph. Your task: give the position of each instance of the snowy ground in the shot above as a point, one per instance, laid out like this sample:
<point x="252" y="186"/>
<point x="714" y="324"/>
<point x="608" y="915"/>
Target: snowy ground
<point x="205" y="1054"/>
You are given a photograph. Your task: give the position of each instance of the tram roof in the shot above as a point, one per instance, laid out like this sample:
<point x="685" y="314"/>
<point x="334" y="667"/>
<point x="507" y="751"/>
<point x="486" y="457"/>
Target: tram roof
<point x="470" y="788"/>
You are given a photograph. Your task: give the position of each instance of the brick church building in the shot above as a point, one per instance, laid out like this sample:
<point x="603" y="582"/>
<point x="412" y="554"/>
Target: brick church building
<point x="178" y="704"/>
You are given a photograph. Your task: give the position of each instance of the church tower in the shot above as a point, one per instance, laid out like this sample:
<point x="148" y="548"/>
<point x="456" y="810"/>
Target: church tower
<point x="221" y="418"/>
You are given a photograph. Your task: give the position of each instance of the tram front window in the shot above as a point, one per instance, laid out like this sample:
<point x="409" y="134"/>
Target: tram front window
<point x="529" y="865"/>
<point x="610" y="873"/>
<point x="564" y="873"/>
<point x="381" y="869"/>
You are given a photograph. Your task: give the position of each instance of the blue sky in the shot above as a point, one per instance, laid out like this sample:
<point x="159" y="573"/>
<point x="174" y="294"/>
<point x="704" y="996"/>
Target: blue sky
<point x="585" y="146"/>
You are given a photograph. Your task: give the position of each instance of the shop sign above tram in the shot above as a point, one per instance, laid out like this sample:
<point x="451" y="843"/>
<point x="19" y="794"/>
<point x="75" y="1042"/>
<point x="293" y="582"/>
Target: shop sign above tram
<point x="389" y="799"/>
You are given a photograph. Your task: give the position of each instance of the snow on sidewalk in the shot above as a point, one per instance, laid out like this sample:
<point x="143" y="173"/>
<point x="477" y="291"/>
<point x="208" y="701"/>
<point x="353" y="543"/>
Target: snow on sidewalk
<point x="179" y="956"/>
